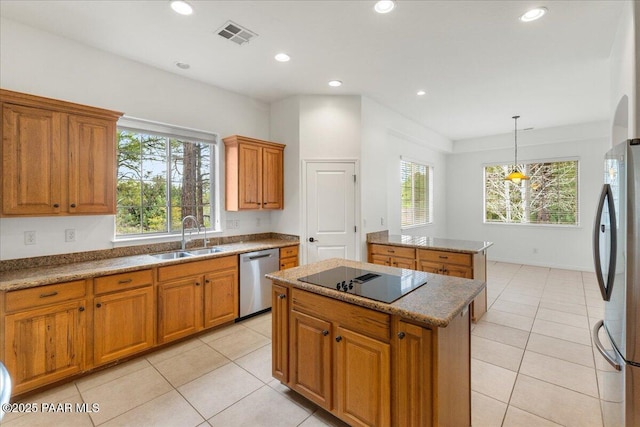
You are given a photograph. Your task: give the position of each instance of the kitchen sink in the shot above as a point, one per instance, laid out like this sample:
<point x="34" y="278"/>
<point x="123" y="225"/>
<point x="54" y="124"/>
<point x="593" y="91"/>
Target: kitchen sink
<point x="172" y="255"/>
<point x="206" y="251"/>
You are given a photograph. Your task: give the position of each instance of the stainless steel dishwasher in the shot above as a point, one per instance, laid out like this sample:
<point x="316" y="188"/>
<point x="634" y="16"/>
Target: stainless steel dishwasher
<point x="255" y="289"/>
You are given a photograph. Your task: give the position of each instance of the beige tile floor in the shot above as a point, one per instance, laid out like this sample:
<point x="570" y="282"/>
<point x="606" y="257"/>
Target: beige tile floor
<point x="532" y="365"/>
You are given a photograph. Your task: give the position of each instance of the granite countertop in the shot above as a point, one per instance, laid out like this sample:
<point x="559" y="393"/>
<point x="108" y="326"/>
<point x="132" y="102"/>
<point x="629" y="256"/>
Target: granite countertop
<point x="436" y="303"/>
<point x="38" y="276"/>
<point x="424" y="242"/>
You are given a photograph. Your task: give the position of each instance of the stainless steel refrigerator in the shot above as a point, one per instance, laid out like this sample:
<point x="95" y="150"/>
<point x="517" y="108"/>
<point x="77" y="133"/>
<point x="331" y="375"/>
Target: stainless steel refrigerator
<point x="616" y="249"/>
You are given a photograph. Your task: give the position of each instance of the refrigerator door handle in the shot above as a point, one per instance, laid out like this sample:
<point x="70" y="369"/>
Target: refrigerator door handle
<point x="605" y="287"/>
<point x="612" y="359"/>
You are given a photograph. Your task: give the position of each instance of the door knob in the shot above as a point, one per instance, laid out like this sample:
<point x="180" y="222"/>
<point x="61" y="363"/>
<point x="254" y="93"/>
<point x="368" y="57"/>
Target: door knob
<point x="311" y="239"/>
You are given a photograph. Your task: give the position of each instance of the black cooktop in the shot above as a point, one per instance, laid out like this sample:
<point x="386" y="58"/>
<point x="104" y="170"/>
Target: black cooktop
<point x="369" y="284"/>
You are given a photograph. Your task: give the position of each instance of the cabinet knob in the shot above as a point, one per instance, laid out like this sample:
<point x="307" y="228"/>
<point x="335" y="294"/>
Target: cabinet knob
<point x="282" y="296"/>
<point x="81" y="309"/>
<point x="206" y="281"/>
<point x="264" y="203"/>
<point x="325" y="332"/>
<point x="401" y="335"/>
<point x="98" y="305"/>
<point x="73" y="205"/>
<point x="56" y="205"/>
<point x="258" y="203"/>
<point x="197" y="283"/>
<point x="338" y="338"/>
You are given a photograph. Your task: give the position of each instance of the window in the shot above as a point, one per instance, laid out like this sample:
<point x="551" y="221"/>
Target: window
<point x="416" y="188"/>
<point x="549" y="197"/>
<point x="164" y="174"/>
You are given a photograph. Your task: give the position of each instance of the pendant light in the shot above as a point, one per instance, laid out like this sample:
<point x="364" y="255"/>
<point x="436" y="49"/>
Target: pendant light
<point x="516" y="176"/>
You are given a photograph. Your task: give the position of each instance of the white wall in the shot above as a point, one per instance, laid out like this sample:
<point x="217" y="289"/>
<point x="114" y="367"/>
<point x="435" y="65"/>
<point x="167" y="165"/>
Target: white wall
<point x="624" y="73"/>
<point x="387" y="135"/>
<point x="285" y="129"/>
<point x="556" y="246"/>
<point x="44" y="64"/>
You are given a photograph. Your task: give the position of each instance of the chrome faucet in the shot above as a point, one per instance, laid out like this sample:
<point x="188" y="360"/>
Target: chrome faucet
<point x="184" y="220"/>
<point x="205" y="243"/>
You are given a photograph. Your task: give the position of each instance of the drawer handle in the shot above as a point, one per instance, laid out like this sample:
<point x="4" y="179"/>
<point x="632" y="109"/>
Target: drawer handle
<point x="122" y="282"/>
<point x="325" y="332"/>
<point x="401" y="335"/>
<point x="50" y="294"/>
<point x="391" y="251"/>
<point x="443" y="257"/>
<point x="282" y="296"/>
<point x="338" y="338"/>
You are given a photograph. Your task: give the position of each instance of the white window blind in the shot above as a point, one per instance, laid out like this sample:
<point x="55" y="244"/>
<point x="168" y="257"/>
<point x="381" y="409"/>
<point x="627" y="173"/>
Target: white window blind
<point x="416" y="190"/>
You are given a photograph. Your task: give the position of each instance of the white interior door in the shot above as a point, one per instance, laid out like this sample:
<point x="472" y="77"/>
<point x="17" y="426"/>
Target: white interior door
<point x="330" y="211"/>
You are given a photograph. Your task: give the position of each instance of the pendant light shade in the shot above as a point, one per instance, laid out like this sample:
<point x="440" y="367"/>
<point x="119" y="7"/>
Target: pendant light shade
<point x="516" y="176"/>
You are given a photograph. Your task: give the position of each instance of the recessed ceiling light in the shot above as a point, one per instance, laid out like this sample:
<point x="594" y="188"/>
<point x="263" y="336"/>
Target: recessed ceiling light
<point x="183" y="65"/>
<point x="384" y="6"/>
<point x="335" y="83"/>
<point x="282" y="57"/>
<point x="421" y="93"/>
<point x="181" y="7"/>
<point x="534" y="14"/>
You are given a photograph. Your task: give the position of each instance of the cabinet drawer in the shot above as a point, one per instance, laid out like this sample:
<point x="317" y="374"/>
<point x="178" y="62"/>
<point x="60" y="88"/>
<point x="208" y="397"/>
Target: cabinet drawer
<point x="445" y="257"/>
<point x="359" y="319"/>
<point x="196" y="268"/>
<point x="289" y="251"/>
<point x="44" y="295"/>
<point x="119" y="282"/>
<point x="395" y="251"/>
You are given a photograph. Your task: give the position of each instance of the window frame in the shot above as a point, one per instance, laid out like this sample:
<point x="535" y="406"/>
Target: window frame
<point x="521" y="163"/>
<point x="149" y="127"/>
<point x="429" y="192"/>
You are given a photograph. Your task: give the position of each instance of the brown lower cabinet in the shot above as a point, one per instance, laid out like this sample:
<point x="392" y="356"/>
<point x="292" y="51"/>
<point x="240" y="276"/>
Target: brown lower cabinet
<point x="196" y="295"/>
<point x="52" y="332"/>
<point x="370" y="368"/>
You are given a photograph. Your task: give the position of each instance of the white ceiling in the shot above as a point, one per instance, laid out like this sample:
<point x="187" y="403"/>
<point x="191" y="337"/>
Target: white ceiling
<point x="478" y="63"/>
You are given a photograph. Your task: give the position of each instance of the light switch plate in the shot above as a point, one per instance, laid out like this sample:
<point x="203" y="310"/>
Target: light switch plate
<point x="70" y="235"/>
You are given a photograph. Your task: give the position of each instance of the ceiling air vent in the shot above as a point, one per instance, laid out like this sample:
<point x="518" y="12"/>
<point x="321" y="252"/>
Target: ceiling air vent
<point x="236" y="33"/>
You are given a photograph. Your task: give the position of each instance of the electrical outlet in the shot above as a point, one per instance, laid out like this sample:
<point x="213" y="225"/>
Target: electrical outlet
<point x="70" y="235"/>
<point x="236" y="223"/>
<point x="29" y="237"/>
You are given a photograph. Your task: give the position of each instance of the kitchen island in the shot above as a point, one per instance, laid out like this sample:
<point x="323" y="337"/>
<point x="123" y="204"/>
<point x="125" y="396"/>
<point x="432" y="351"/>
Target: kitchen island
<point x="374" y="363"/>
<point x="451" y="257"/>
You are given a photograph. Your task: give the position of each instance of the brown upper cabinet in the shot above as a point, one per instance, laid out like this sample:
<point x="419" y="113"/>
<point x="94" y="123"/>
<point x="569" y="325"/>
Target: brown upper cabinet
<point x="58" y="158"/>
<point x="254" y="174"/>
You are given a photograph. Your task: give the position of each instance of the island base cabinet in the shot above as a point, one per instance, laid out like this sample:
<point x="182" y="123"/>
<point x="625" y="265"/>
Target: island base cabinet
<point x="280" y="332"/>
<point x="123" y="324"/>
<point x="412" y="376"/>
<point x="363" y="380"/>
<point x="44" y="345"/>
<point x="311" y="358"/>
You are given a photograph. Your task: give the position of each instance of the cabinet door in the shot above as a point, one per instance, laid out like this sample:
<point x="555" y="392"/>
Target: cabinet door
<point x="45" y="345"/>
<point x="458" y="271"/>
<point x="430" y="267"/>
<point x="288" y="263"/>
<point x="280" y="332"/>
<point x="363" y="379"/>
<point x="412" y="377"/>
<point x="179" y="309"/>
<point x="380" y="259"/>
<point x="123" y="324"/>
<point x="249" y="176"/>
<point x="92" y="165"/>
<point x="272" y="178"/>
<point x="31" y="161"/>
<point x="403" y="263"/>
<point x="311" y="358"/>
<point x="220" y="298"/>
